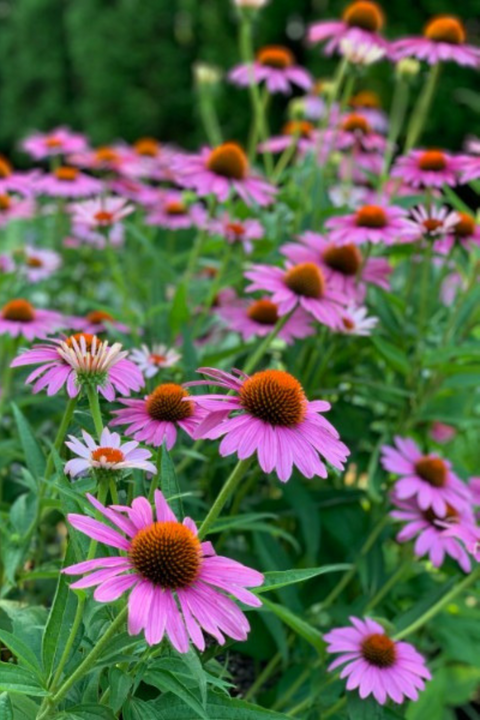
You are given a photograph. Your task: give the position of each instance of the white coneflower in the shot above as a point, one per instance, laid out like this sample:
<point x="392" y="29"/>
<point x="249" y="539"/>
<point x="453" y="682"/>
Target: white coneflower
<point x="108" y="456"/>
<point x="356" y="322"/>
<point x="151" y="360"/>
<point x="88" y="355"/>
<point x="359" y="53"/>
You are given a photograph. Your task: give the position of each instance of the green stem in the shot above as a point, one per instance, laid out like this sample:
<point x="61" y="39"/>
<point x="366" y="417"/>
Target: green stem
<point x="62" y="431"/>
<point x="209" y="115"/>
<point x="85" y="666"/>
<point x="265" y="675"/>
<point x="254" y="359"/>
<point x="335" y="708"/>
<point x="156" y="478"/>
<point x="94" y="403"/>
<point x="438" y="606"/>
<point x="421" y="110"/>
<point x="397" y="117"/>
<point x="225" y="493"/>
<point x="387" y="586"/>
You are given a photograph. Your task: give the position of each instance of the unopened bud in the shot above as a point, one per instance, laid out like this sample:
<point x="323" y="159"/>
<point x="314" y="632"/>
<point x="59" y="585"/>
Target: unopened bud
<point x="407" y="68"/>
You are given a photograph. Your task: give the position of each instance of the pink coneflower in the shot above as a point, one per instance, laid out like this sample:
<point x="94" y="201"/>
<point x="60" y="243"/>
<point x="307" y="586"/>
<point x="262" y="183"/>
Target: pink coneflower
<point x="275" y="420"/>
<point x="56" y="142"/>
<point x="97" y="322"/>
<point x="223" y="171"/>
<point x="428" y="168"/>
<point x="37" y="264"/>
<point x="474" y="486"/>
<point x="237" y="231"/>
<point x="67" y="182"/>
<point x="114" y="235"/>
<point x="157" y="417"/>
<point x="100" y="212"/>
<point x="355" y="133"/>
<point x="19" y="318"/>
<point x="343" y="265"/>
<point x="103" y="159"/>
<point x="358" y="166"/>
<point x="177" y="582"/>
<point x="442" y="433"/>
<point x="386" y="224"/>
<point x="257" y="318"/>
<point x="428" y="528"/>
<point x="470" y="168"/>
<point x="464" y="232"/>
<point x="444" y="40"/>
<point x="13" y="207"/>
<point x="151" y="360"/>
<point x="172" y="212"/>
<point x="361" y="23"/>
<point x="107" y="456"/>
<point x="274" y="65"/>
<point x="376" y="664"/>
<point x="78" y="360"/>
<point x="469" y="535"/>
<point x="300" y="133"/>
<point x="303" y="285"/>
<point x="431" y="222"/>
<point x="368" y="104"/>
<point x="15" y="181"/>
<point x="6" y="264"/>
<point x="357" y="322"/>
<point x="428" y="478"/>
<point x="134" y="190"/>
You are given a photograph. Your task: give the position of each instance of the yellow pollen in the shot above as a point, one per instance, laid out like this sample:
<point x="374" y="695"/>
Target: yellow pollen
<point x="276" y="56"/>
<point x="447" y="29"/>
<point x="264" y="312"/>
<point x="306" y="280"/>
<point x="168" y="554"/>
<point x="433" y="470"/>
<point x="108" y="455"/>
<point x="166" y="403"/>
<point x="364" y="15"/>
<point x="229" y="161"/>
<point x="66" y="173"/>
<point x="275" y="397"/>
<point x="18" y="310"/>
<point x="371" y="216"/>
<point x="379" y="650"/>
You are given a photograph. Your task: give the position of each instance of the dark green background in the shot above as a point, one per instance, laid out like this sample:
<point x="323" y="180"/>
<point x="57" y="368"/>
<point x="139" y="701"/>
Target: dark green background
<point x="122" y="68"/>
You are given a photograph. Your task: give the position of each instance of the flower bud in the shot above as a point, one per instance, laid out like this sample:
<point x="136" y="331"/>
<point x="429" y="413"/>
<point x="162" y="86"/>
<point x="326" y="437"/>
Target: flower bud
<point x="206" y="74"/>
<point x="407" y="68"/>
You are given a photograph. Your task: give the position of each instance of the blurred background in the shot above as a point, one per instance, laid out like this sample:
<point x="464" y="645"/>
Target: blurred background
<point x="123" y="68"/>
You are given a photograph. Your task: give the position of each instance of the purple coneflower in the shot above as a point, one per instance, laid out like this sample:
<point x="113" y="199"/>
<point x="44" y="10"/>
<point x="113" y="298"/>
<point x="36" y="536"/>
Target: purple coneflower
<point x="428" y="168"/>
<point x="13" y="207"/>
<point x="274" y="65"/>
<point x="357" y="322"/>
<point x="299" y="133"/>
<point x="178" y="584"/>
<point x="172" y="212"/>
<point x="38" y="264"/>
<point x="19" y="318"/>
<point x="444" y="40"/>
<point x="67" y="182"/>
<point x="258" y="318"/>
<point x="97" y="322"/>
<point x="100" y="212"/>
<point x="386" y="224"/>
<point x="60" y="141"/>
<point x="107" y="456"/>
<point x="361" y="23"/>
<point x="237" y="231"/>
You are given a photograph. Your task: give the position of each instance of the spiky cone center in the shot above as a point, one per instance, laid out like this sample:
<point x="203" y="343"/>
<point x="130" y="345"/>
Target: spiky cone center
<point x="106" y="155"/>
<point x="465" y="227"/>
<point x="90" y="357"/>
<point x="107" y="456"/>
<point x="168" y="554"/>
<point x="86" y="340"/>
<point x="148" y="147"/>
<point x="167" y="404"/>
<point x="96" y="317"/>
<point x="175" y="208"/>
<point x="66" y="173"/>
<point x="371" y="216"/>
<point x="276" y="56"/>
<point x="433" y="470"/>
<point x="235" y="228"/>
<point x="348" y="323"/>
<point x="156" y="359"/>
<point x="104" y="217"/>
<point x="5" y="167"/>
<point x="299" y="128"/>
<point x="364" y="15"/>
<point x="34" y="262"/>
<point x="433" y="519"/>
<point x="447" y="29"/>
<point x="228" y="161"/>
<point x="264" y="312"/>
<point x="432" y="160"/>
<point x="431" y="225"/>
<point x="356" y="123"/>
<point x="379" y="650"/>
<point x="306" y="280"/>
<point x="345" y="259"/>
<point x="365" y="99"/>
<point x="18" y="310"/>
<point x="275" y="397"/>
<point x="53" y="142"/>
<point x="5" y="202"/>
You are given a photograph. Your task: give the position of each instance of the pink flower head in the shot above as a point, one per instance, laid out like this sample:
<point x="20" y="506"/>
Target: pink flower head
<point x="13" y="207"/>
<point x="442" y="433"/>
<point x="221" y="172"/>
<point x="67" y="182"/>
<point x="474" y="485"/>
<point x="258" y="318"/>
<point x="470" y="167"/>
<point x="428" y="478"/>
<point x="451" y="285"/>
<point x="237" y="231"/>
<point x="468" y="534"/>
<point x="19" y="318"/>
<point x="105" y="158"/>
<point x="361" y="24"/>
<point x="100" y="212"/>
<point x="299" y="133"/>
<point x="274" y="65"/>
<point x="301" y="285"/>
<point x="109" y="456"/>
<point x="60" y="141"/>
<point x="15" y="181"/>
<point x="368" y="104"/>
<point x="81" y="359"/>
<point x="114" y="235"/>
<point x="386" y="224"/>
<point x="428" y="529"/>
<point x="444" y="40"/>
<point x="354" y="132"/>
<point x="273" y="419"/>
<point x="465" y="232"/>
<point x="172" y="212"/>
<point x="152" y="360"/>
<point x="431" y="222"/>
<point x="428" y="168"/>
<point x="37" y="264"/>
<point x="343" y="265"/>
<point x="376" y="664"/>
<point x="155" y="419"/>
<point x="97" y="322"/>
<point x="179" y="586"/>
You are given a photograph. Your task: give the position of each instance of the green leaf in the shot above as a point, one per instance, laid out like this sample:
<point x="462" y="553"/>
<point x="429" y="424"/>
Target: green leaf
<point x="281" y="578"/>
<point x="15" y="679"/>
<point x="194" y="665"/>
<point x="120" y="685"/>
<point x="89" y="711"/>
<point x="218" y="708"/>
<point x="367" y="709"/>
<point x="179" y="312"/>
<point x="22" y="651"/>
<point x="169" y="484"/>
<point x="136" y="709"/>
<point x="34" y="457"/>
<point x="6" y="710"/>
<point x="394" y="357"/>
<point x="297" y="624"/>
<point x="166" y="681"/>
